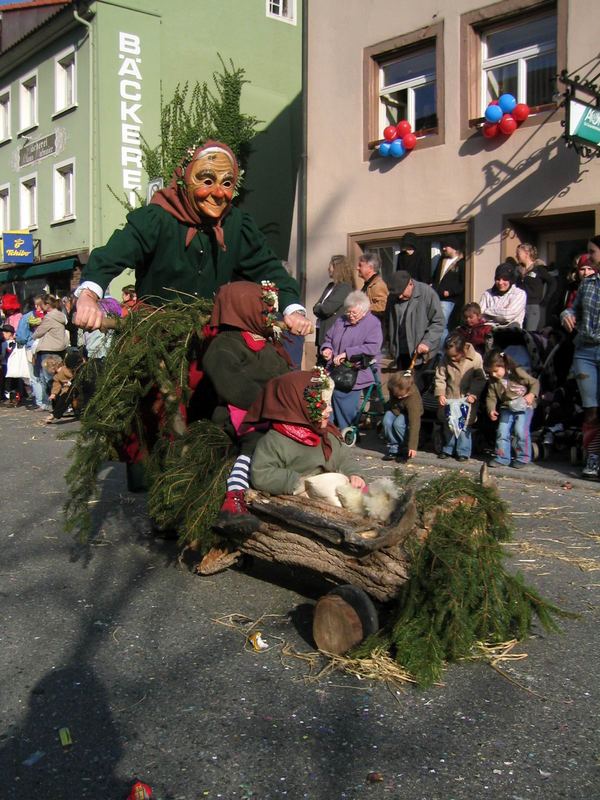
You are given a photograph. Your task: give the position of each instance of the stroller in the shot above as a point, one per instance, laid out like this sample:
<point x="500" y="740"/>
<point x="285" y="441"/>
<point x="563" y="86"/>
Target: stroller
<point x="371" y="405"/>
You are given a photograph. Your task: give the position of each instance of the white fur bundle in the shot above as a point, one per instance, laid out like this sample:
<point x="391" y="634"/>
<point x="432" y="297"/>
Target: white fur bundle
<point x="381" y="499"/>
<point x="351" y="498"/>
<point x="323" y="487"/>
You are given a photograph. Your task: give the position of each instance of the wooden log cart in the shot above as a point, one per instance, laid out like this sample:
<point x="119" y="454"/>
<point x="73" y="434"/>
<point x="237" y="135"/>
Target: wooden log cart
<point x="367" y="560"/>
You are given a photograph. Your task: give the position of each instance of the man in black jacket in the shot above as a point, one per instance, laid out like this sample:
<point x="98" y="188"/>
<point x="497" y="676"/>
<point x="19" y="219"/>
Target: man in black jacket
<point x="449" y="281"/>
<point x="410" y="259"/>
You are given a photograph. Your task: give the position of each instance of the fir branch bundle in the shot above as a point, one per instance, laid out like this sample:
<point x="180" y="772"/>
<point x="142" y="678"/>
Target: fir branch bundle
<point x="151" y="350"/>
<point x="458" y="592"/>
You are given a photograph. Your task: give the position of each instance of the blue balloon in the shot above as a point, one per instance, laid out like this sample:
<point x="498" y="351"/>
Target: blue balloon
<point x="507" y="103"/>
<point x="384" y="149"/>
<point x="397" y="149"/>
<point x="493" y="113"/>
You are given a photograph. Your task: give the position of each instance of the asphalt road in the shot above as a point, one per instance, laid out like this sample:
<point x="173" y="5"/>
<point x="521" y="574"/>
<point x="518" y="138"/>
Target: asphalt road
<point x="119" y="644"/>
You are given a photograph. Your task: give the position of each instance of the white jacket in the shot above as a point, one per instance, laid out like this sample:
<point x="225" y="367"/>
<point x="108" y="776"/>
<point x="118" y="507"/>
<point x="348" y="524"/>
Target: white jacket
<point x="504" y="309"/>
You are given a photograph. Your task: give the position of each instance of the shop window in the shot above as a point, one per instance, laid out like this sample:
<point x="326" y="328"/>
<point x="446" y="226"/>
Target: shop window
<point x="4" y="208"/>
<point x="64" y="191"/>
<point x="4" y="115"/>
<point x="512" y="47"/>
<point x="404" y="80"/>
<point x="64" y="82"/>
<point x="284" y="10"/>
<point x="28" y="103"/>
<point x="28" y="202"/>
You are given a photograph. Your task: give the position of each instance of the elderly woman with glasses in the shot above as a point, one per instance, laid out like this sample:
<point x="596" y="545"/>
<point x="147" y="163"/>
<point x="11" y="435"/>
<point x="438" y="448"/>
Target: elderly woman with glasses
<point x="357" y="333"/>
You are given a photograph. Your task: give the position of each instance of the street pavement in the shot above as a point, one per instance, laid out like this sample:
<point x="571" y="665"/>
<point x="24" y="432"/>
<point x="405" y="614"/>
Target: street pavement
<point x="149" y="669"/>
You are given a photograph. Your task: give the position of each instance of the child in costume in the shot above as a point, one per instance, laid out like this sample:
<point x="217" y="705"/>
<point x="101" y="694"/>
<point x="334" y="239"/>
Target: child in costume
<point x="514" y="392"/>
<point x="63" y="393"/>
<point x="459" y="380"/>
<point x="301" y="441"/>
<point x="239" y="361"/>
<point x="402" y="418"/>
<point x="474" y="328"/>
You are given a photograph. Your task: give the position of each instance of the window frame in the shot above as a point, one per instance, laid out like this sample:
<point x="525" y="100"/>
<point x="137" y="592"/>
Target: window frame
<point x="6" y="92"/>
<point x="28" y="125"/>
<point x="291" y="19"/>
<point x="33" y="224"/>
<point x="58" y="172"/>
<point x="409" y="85"/>
<point x="474" y="24"/>
<point x="375" y="56"/>
<point x="5" y="193"/>
<point x="59" y="78"/>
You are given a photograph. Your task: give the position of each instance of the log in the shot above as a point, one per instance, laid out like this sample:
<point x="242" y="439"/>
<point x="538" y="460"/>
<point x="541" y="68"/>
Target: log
<point x="380" y="571"/>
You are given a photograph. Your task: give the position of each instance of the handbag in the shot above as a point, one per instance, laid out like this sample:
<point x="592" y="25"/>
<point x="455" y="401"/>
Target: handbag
<point x="17" y="365"/>
<point x="344" y="377"/>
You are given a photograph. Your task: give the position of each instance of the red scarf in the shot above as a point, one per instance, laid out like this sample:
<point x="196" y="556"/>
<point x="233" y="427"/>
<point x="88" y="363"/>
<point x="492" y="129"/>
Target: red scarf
<point x="299" y="433"/>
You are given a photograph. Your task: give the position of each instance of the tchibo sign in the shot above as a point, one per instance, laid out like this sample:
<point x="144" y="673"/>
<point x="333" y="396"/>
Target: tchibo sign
<point x="130" y="91"/>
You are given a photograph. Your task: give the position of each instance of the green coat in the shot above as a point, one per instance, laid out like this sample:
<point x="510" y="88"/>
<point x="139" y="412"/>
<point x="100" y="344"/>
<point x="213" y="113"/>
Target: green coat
<point x="279" y="462"/>
<point x="153" y="243"/>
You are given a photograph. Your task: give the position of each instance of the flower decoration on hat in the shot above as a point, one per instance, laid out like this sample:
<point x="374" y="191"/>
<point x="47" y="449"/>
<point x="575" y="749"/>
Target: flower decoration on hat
<point x="270" y="312"/>
<point x="317" y="394"/>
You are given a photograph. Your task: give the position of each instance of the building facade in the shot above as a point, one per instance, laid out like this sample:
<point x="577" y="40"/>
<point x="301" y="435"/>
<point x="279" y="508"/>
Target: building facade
<point x="80" y="86"/>
<point x="439" y="66"/>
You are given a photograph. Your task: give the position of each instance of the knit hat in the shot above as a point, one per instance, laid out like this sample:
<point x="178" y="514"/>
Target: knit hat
<point x="399" y="281"/>
<point x="450" y="240"/>
<point x="505" y="272"/>
<point x="409" y="240"/>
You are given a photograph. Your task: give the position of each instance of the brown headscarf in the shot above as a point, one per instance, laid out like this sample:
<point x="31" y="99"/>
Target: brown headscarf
<point x="283" y="400"/>
<point x="174" y="197"/>
<point x="240" y="305"/>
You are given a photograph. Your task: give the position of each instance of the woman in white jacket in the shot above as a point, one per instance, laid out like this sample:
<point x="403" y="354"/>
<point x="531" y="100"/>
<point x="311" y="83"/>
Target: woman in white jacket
<point x="504" y="303"/>
<point x="52" y="339"/>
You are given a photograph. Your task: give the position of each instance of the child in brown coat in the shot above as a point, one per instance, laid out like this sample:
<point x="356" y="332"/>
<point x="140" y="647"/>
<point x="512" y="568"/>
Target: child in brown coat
<point x="402" y="418"/>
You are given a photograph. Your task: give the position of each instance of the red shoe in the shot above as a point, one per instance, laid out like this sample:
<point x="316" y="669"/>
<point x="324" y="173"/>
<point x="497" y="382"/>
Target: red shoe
<point x="234" y="516"/>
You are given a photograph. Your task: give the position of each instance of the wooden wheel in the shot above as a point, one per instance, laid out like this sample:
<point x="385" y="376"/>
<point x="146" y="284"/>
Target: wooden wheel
<point x="343" y="618"/>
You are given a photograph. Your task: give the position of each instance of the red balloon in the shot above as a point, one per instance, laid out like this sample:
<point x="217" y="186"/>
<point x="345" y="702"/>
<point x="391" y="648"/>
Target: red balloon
<point x="507" y="124"/>
<point x="490" y="129"/>
<point x="520" y="112"/>
<point x="402" y="128"/>
<point x="389" y="133"/>
<point x="409" y="140"/>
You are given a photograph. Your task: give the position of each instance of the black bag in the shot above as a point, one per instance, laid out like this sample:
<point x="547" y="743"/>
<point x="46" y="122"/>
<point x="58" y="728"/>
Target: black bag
<point x="344" y="377"/>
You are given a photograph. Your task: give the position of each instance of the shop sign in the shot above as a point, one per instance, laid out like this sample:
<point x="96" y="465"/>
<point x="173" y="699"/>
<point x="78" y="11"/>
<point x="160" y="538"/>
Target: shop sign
<point x="584" y="122"/>
<point x="18" y="247"/>
<point x="34" y="151"/>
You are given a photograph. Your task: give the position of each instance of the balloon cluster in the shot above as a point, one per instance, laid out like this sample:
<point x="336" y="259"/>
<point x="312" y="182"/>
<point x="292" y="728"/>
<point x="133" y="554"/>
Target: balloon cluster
<point x="399" y="140"/>
<point x="503" y="116"/>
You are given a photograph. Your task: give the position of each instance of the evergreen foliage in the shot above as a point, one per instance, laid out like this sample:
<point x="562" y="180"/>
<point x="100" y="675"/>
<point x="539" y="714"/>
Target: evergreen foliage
<point x="151" y="350"/>
<point x="459" y="591"/>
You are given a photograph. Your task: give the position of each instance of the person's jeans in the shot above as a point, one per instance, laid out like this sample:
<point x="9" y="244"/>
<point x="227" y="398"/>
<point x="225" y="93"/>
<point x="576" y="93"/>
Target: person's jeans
<point x="586" y="368"/>
<point x="517" y="424"/>
<point x="462" y="443"/>
<point x="533" y="318"/>
<point x="345" y="407"/>
<point x="395" y="429"/>
<point x="447" y="309"/>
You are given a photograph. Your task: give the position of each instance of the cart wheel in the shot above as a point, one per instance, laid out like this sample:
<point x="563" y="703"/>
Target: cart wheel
<point x="349" y="436"/>
<point x="343" y="618"/>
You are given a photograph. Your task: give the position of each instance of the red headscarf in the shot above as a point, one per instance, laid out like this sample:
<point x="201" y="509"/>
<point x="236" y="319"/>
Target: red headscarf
<point x="174" y="198"/>
<point x="284" y="400"/>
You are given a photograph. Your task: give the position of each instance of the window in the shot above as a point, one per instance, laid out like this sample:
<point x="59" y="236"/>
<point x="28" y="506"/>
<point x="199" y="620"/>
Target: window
<point x="64" y="191"/>
<point x="404" y="79"/>
<point x="512" y="47"/>
<point x="64" y="82"/>
<point x="284" y="10"/>
<point x="4" y="208"/>
<point x="408" y="90"/>
<point x="4" y="115"/>
<point x="519" y="59"/>
<point x="28" y="202"/>
<point x="28" y="103"/>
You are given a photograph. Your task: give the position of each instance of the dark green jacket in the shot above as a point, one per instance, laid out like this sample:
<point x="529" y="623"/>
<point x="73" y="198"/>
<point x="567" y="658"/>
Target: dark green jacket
<point x="153" y="243"/>
<point x="238" y="373"/>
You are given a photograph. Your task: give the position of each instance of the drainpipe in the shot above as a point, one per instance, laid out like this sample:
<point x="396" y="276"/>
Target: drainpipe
<point x="91" y="212"/>
<point x="302" y="211"/>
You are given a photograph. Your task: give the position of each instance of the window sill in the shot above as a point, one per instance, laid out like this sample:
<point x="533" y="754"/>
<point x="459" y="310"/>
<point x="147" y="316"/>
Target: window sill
<point x="29" y="228"/>
<point x="534" y="111"/>
<point x="426" y="138"/>
<point x="289" y="20"/>
<point x="5" y="141"/>
<point x="63" y="220"/>
<point x="31" y="127"/>
<point x="63" y="111"/>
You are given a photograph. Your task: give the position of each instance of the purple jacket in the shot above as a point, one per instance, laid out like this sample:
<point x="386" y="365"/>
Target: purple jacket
<point x="364" y="337"/>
